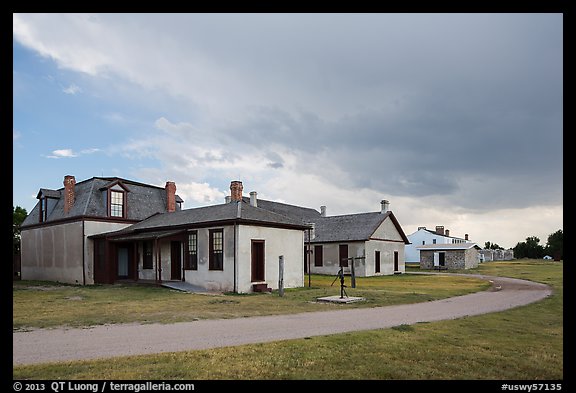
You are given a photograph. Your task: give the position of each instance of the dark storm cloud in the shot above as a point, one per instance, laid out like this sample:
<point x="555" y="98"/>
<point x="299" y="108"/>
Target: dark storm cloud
<point x="421" y="104"/>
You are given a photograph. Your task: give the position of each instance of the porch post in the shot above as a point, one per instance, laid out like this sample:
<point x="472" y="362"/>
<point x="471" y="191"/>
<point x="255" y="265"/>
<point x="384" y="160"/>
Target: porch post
<point x="158" y="261"/>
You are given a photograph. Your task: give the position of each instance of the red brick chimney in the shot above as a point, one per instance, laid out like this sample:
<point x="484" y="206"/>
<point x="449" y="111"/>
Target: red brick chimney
<point x="170" y="196"/>
<point x="466" y="236"/>
<point x="439" y="229"/>
<point x="236" y="190"/>
<point x="69" y="182"/>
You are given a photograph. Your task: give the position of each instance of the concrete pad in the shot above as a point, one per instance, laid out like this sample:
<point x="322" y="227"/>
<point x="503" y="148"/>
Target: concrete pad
<point x="185" y="287"/>
<point x="338" y="299"/>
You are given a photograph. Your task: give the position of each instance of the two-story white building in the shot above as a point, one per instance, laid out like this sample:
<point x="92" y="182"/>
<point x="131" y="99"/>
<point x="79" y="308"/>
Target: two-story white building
<point x="425" y="236"/>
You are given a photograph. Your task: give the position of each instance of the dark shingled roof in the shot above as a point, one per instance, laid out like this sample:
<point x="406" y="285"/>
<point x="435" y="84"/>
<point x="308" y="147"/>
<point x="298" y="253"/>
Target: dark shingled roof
<point x="210" y="215"/>
<point x="143" y="200"/>
<point x="350" y="227"/>
<point x="304" y="214"/>
<point x="49" y="193"/>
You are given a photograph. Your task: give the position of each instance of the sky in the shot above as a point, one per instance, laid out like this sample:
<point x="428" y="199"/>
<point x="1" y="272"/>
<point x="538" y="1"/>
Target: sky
<point x="455" y="119"/>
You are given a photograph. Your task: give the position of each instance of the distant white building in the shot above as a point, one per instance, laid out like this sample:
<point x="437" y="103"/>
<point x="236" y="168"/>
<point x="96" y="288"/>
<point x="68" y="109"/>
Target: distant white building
<point x="423" y="237"/>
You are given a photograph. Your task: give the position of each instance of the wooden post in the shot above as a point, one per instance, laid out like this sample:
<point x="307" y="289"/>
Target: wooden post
<point x="352" y="273"/>
<point x="281" y="275"/>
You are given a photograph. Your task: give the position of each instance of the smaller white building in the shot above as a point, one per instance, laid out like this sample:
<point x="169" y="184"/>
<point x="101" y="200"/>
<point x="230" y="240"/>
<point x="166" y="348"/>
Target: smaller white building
<point x="423" y="237"/>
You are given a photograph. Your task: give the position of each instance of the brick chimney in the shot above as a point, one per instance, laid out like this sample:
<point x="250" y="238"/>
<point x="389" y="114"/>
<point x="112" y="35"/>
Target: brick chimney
<point x="69" y="193"/>
<point x="466" y="236"/>
<point x="236" y="190"/>
<point x="447" y="232"/>
<point x="323" y="211"/>
<point x="170" y="196"/>
<point x="440" y="230"/>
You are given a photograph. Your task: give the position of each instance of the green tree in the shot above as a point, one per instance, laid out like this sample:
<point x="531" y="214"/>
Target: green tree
<point x="529" y="249"/>
<point x="555" y="245"/>
<point x="492" y="246"/>
<point x="18" y="216"/>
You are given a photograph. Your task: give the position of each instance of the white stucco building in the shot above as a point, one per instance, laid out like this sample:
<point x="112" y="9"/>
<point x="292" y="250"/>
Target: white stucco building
<point x="425" y="236"/>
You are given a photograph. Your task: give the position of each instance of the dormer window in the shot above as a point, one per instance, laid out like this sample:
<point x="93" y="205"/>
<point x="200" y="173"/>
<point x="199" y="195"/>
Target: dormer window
<point x="115" y="196"/>
<point x="117" y="201"/>
<point x="47" y="200"/>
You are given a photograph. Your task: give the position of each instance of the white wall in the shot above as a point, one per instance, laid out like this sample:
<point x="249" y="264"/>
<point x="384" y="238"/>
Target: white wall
<point x="278" y="241"/>
<point x="331" y="263"/>
<point x="387" y="250"/>
<point x="416" y="239"/>
<point x="216" y="280"/>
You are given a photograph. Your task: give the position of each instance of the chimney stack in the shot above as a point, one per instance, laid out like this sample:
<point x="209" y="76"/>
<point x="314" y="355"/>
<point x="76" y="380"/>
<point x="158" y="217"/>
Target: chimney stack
<point x="323" y="211"/>
<point x="236" y="190"/>
<point x="385" y="206"/>
<point x="447" y="232"/>
<point x="465" y="236"/>
<point x="440" y="230"/>
<point x="69" y="193"/>
<point x="170" y="196"/>
<point x="253" y="199"/>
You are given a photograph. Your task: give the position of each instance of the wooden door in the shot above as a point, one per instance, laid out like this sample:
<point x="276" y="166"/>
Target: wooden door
<point x="258" y="261"/>
<point x="175" y="260"/>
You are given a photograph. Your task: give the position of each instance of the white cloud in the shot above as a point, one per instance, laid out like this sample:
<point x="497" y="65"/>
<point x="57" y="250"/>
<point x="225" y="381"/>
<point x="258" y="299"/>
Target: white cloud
<point x="89" y="151"/>
<point x="72" y="89"/>
<point x="195" y="194"/>
<point x="62" y="153"/>
<point x="69" y="153"/>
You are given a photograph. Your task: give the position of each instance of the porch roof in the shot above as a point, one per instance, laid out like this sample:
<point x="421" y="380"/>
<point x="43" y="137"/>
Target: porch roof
<point x="146" y="235"/>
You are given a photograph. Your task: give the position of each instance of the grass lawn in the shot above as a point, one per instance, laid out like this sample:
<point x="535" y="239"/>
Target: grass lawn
<point x="524" y="343"/>
<point x="46" y="305"/>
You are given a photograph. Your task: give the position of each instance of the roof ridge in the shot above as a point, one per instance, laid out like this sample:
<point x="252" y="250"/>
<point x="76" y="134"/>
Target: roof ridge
<point x="291" y="219"/>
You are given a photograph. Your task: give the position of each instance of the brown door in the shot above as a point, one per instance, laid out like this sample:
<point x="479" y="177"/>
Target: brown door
<point x="258" y="260"/>
<point x="175" y="260"/>
<point x="395" y="261"/>
<point x="377" y="261"/>
<point x="343" y="252"/>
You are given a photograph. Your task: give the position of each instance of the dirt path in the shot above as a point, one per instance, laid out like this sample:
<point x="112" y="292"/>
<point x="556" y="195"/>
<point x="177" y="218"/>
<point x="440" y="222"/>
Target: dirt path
<point x="55" y="345"/>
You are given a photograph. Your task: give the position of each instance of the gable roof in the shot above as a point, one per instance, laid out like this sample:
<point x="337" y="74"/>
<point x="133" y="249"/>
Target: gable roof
<point x="349" y="227"/>
<point x="430" y="231"/>
<point x="449" y="246"/>
<point x="304" y="214"/>
<point x="227" y="213"/>
<point x="352" y="227"/>
<point x="143" y="200"/>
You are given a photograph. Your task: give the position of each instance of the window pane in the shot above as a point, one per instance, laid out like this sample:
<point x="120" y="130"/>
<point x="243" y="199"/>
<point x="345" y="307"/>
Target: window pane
<point x="216" y="261"/>
<point x="116" y="204"/>
<point x="191" y="262"/>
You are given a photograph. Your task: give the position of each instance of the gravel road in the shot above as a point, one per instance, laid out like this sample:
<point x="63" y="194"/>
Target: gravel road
<point x="56" y="345"/>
